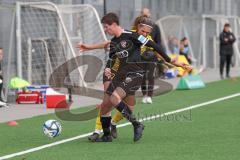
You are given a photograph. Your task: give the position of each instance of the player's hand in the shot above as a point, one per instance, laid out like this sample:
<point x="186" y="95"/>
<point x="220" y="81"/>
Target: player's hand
<point x="108" y="72"/>
<point x="98" y="106"/>
<point x="187" y="67"/>
<point x="175" y="63"/>
<point x="82" y="47"/>
<point x="174" y="60"/>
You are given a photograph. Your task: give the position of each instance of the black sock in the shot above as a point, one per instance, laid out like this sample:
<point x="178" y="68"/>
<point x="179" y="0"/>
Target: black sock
<point x="126" y="112"/>
<point x="106" y="122"/>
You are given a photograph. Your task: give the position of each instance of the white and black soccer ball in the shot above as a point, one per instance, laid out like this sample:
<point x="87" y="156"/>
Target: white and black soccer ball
<point x="52" y="128"/>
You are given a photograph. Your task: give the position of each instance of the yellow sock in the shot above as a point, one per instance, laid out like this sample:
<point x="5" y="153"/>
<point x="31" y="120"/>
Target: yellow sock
<point x="117" y="117"/>
<point x="98" y="125"/>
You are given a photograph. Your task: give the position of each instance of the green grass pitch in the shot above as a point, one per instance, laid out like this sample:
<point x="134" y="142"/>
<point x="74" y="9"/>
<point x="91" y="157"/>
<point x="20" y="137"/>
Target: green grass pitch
<point x="208" y="132"/>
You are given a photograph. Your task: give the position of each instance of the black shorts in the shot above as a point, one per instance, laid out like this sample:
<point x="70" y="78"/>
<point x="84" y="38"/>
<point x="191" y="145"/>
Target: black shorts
<point x="129" y="83"/>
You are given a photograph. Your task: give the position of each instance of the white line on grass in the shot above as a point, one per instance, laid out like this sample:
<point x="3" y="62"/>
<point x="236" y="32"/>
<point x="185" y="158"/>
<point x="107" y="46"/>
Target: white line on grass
<point x="121" y="125"/>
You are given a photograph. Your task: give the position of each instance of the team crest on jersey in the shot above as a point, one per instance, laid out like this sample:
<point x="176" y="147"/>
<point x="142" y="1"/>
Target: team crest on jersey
<point x="123" y="44"/>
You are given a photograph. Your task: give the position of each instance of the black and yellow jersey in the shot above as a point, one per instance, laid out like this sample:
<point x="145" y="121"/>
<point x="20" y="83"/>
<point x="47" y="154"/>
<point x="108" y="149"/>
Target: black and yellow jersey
<point x="144" y="47"/>
<point x="116" y="62"/>
<point x="127" y="48"/>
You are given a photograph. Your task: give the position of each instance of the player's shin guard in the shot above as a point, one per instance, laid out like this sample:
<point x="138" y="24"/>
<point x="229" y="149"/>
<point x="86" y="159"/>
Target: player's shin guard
<point x="98" y="124"/>
<point x="117" y="117"/>
<point x="106" y="122"/>
<point x="126" y="112"/>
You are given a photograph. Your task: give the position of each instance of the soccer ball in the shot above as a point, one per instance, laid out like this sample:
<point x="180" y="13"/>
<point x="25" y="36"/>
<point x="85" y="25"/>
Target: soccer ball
<point x="52" y="128"/>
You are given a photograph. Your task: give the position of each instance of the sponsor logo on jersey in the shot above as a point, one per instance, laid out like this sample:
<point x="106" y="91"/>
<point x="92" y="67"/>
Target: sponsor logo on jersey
<point x="142" y="39"/>
<point x="122" y="54"/>
<point x="128" y="79"/>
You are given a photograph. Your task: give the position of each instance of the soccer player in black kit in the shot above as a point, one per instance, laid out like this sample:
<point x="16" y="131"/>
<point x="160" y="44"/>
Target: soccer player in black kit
<point x="143" y="27"/>
<point x="125" y="45"/>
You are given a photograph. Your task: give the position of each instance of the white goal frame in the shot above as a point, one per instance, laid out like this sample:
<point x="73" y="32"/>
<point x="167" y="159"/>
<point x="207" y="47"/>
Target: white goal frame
<point x="55" y="8"/>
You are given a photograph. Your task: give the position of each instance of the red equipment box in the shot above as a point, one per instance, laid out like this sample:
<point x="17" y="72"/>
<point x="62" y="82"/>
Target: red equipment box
<point x="29" y="97"/>
<point x="55" y="99"/>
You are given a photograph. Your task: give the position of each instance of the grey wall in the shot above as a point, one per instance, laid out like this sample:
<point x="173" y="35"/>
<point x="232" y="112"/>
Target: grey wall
<point x="129" y="9"/>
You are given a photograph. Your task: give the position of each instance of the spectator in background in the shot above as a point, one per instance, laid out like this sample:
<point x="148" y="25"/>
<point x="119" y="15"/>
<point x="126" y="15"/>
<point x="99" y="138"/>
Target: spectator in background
<point x="227" y="39"/>
<point x="184" y="49"/>
<point x="1" y="74"/>
<point x="173" y="45"/>
<point x="155" y="34"/>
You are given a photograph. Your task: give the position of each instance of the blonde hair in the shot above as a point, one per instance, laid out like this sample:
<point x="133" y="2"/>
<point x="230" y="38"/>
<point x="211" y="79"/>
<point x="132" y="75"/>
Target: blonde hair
<point x="142" y="20"/>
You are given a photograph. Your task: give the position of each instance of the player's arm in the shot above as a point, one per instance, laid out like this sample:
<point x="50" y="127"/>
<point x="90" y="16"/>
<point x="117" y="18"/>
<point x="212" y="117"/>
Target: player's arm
<point x="86" y="47"/>
<point x="110" y="62"/>
<point x="145" y="41"/>
<point x="161" y="52"/>
<point x="232" y="38"/>
<point x="166" y="59"/>
<point x="159" y="49"/>
<point x="174" y="63"/>
<point x="107" y="70"/>
<point x="223" y="39"/>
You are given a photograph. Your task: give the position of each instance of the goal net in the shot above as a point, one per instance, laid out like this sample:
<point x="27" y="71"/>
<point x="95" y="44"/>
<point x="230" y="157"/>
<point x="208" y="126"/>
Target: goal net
<point x="47" y="35"/>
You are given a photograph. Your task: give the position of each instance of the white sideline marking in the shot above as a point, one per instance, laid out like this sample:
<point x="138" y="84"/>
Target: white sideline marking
<point x="121" y="125"/>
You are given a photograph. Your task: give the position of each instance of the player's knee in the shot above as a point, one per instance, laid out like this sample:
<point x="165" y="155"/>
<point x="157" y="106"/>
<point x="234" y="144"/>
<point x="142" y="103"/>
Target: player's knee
<point x="105" y="112"/>
<point x="130" y="101"/>
<point x="115" y="99"/>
